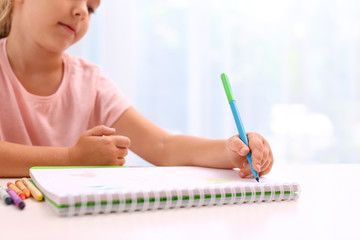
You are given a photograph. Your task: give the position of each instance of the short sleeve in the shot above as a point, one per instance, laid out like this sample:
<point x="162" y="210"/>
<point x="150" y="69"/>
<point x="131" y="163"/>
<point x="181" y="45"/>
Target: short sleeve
<point x="110" y="102"/>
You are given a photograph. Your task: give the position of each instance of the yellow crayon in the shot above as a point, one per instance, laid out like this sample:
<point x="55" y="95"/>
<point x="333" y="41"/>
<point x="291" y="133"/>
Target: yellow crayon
<point x="16" y="190"/>
<point x="22" y="187"/>
<point x="35" y="193"/>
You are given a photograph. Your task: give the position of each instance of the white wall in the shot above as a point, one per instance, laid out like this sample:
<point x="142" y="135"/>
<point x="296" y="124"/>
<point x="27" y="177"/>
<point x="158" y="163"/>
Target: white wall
<point x="294" y="67"/>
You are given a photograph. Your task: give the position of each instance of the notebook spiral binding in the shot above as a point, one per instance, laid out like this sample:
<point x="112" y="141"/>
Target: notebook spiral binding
<point x="177" y="198"/>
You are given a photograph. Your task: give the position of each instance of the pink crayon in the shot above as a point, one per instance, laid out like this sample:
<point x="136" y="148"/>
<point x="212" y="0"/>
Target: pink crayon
<point x="16" y="199"/>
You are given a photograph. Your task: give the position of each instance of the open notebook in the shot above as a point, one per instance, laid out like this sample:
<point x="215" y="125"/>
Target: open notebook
<point x="83" y="190"/>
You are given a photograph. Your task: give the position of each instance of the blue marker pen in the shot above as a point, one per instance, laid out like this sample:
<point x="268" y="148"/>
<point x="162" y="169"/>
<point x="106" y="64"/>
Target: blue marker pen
<point x="237" y="119"/>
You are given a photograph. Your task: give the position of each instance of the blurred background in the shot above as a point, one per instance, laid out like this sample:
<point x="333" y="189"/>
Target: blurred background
<point x="294" y="66"/>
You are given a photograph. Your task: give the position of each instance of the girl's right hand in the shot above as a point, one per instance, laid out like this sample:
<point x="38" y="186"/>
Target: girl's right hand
<point x="99" y="146"/>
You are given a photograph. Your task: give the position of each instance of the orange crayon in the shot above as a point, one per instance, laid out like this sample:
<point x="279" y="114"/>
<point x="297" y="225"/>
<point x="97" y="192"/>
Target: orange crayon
<point x="16" y="190"/>
<point x="22" y="187"/>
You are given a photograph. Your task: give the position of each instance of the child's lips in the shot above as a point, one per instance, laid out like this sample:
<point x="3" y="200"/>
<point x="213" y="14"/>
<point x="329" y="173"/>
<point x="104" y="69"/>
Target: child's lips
<point x="70" y="28"/>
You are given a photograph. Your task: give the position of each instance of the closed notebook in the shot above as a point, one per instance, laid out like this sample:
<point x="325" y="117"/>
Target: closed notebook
<point x="91" y="190"/>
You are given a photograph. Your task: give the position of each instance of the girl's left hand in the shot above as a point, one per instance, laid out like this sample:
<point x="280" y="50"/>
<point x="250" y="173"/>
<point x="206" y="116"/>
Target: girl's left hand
<point x="261" y="154"/>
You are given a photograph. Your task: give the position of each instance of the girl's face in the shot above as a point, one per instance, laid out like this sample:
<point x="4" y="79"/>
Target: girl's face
<point x="53" y="24"/>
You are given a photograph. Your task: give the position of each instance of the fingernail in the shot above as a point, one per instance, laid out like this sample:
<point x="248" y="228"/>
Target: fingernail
<point x="259" y="167"/>
<point x="242" y="174"/>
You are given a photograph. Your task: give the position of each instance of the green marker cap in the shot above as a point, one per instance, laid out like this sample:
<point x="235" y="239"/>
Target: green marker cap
<point x="227" y="87"/>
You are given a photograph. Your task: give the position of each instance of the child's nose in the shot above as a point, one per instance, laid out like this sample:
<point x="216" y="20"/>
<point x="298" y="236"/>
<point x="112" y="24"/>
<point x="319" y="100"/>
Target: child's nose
<point x="80" y="9"/>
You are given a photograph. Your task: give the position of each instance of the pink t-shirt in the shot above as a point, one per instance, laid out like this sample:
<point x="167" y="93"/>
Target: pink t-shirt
<point x="86" y="98"/>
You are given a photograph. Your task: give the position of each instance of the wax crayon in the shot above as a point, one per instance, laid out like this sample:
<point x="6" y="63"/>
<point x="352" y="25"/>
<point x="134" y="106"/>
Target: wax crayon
<point x="16" y="190"/>
<point x="4" y="195"/>
<point x="16" y="199"/>
<point x="35" y="193"/>
<point x="22" y="187"/>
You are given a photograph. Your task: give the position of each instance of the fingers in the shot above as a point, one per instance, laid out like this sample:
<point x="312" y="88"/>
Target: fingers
<point x="262" y="157"/>
<point x="267" y="159"/>
<point x="268" y="167"/>
<point x="238" y="146"/>
<point x="105" y="136"/>
<point x="100" y="131"/>
<point x="99" y="146"/>
<point x="238" y="151"/>
<point x="118" y="162"/>
<point x="257" y="151"/>
<point x="121" y="152"/>
<point x="119" y="145"/>
<point x="246" y="171"/>
<point x="121" y="141"/>
<point x="122" y="144"/>
<point x="117" y="155"/>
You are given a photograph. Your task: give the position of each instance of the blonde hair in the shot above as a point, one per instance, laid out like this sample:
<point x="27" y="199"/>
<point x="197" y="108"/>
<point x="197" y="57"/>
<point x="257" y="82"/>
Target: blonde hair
<point x="5" y="17"/>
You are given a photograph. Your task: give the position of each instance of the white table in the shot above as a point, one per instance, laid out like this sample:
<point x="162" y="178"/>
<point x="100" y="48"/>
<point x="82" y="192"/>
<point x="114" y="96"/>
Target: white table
<point x="328" y="208"/>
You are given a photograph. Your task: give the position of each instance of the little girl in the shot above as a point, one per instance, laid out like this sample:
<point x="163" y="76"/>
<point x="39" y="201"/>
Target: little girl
<point x="55" y="108"/>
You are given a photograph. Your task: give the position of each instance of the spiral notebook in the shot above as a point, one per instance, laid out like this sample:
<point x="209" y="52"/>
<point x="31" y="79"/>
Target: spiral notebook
<point x="92" y="190"/>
